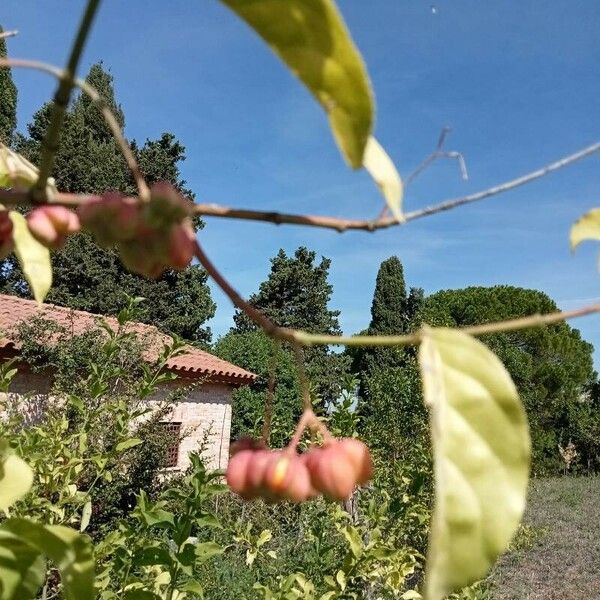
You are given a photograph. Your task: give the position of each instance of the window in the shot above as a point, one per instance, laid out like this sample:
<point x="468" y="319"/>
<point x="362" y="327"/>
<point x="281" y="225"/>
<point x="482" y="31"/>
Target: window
<point x="172" y="430"/>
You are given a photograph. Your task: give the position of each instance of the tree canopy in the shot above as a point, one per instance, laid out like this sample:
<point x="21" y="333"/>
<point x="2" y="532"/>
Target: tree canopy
<point x="296" y="294"/>
<point x="8" y="100"/>
<point x="552" y="366"/>
<point x="87" y="277"/>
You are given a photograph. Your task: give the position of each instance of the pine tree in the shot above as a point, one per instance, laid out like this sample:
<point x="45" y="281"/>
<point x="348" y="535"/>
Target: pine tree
<point x="8" y="100"/>
<point x="296" y="294"/>
<point x="87" y="277"/>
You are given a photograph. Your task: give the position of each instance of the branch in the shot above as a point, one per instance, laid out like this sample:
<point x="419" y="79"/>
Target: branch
<point x="61" y="101"/>
<point x="7" y="34"/>
<point x="342" y="225"/>
<point x="109" y="117"/>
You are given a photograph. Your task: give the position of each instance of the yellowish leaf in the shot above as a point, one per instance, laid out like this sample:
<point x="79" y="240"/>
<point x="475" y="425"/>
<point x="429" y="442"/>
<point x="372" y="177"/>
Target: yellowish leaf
<point x="586" y="228"/>
<point x="384" y="172"/>
<point x="34" y="258"/>
<point x="481" y="452"/>
<point x="17" y="172"/>
<point x="16" y="478"/>
<point x="311" y="38"/>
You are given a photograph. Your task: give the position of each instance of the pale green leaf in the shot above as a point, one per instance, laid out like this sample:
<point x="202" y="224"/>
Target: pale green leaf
<point x="22" y="570"/>
<point x="129" y="443"/>
<point x="33" y="257"/>
<point x="411" y="595"/>
<point x="481" y="452"/>
<point x="264" y="537"/>
<point x="353" y="536"/>
<point x="17" y="172"/>
<point x="386" y="176"/>
<point x="311" y="38"/>
<point x="16" y="478"/>
<point x="69" y="550"/>
<point x="340" y="577"/>
<point x="86" y="515"/>
<point x="206" y="550"/>
<point x="586" y="228"/>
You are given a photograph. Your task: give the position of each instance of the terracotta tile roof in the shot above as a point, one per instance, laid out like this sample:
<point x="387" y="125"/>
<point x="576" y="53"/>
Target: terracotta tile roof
<point x="192" y="363"/>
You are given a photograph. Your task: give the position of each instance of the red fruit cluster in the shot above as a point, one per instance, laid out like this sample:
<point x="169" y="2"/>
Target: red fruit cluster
<point x="151" y="237"/>
<point x="50" y="225"/>
<point x="333" y="470"/>
<point x="6" y="238"/>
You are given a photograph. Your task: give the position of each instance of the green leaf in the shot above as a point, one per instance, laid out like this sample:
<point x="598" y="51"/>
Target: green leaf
<point x="206" y="550"/>
<point x="86" y="515"/>
<point x="354" y="539"/>
<point x="193" y="587"/>
<point x="386" y="176"/>
<point x="264" y="537"/>
<point x="68" y="549"/>
<point x="22" y="568"/>
<point x="312" y="40"/>
<point x="481" y="452"/>
<point x="33" y="257"/>
<point x="130" y="443"/>
<point x="586" y="228"/>
<point x="411" y="595"/>
<point x="16" y="478"/>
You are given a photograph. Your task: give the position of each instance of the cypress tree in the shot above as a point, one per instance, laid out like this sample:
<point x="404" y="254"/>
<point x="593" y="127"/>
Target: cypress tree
<point x="8" y="100"/>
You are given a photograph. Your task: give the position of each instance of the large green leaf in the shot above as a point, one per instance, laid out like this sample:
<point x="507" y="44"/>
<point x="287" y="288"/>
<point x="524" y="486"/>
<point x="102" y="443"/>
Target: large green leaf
<point x="33" y="257"/>
<point x="481" y="458"/>
<point x="69" y="550"/>
<point x="22" y="568"/>
<point x="311" y="38"/>
<point x="15" y="480"/>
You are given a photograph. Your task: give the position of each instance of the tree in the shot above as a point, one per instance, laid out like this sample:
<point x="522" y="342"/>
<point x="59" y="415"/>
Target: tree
<point x="391" y="407"/>
<point x="87" y="277"/>
<point x="8" y="100"/>
<point x="296" y="294"/>
<point x="253" y="350"/>
<point x="552" y="367"/>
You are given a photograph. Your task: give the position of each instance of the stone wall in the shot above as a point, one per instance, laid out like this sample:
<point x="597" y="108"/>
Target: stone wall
<point x="204" y="412"/>
<point x="205" y="417"/>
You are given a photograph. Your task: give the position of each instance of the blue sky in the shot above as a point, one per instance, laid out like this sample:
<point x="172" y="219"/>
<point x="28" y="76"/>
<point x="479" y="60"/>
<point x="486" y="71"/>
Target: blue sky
<point x="516" y="81"/>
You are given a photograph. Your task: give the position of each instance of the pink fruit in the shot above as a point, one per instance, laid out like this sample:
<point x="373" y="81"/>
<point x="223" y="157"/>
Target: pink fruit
<point x="237" y="471"/>
<point x="331" y="472"/>
<point x="50" y="225"/>
<point x="6" y="239"/>
<point x="360" y="457"/>
<point x="181" y="245"/>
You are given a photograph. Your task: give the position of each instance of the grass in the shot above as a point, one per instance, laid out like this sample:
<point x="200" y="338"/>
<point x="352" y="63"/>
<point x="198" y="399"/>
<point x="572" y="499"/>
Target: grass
<point x="556" y="554"/>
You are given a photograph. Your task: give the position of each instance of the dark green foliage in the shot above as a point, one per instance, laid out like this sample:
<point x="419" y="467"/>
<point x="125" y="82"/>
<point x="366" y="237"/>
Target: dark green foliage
<point x="552" y="367"/>
<point x="296" y="294"/>
<point x="253" y="350"/>
<point x="388" y="310"/>
<point x="87" y="277"/>
<point x="8" y="100"/>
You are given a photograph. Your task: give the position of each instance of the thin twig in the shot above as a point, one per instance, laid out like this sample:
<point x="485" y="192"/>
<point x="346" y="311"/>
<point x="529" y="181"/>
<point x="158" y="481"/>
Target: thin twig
<point x="7" y="34"/>
<point x="268" y="412"/>
<point x="61" y="101"/>
<point x="109" y="117"/>
<point x="302" y="377"/>
<point x="435" y="155"/>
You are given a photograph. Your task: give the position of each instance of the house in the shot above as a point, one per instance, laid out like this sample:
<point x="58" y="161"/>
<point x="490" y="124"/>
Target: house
<point x="205" y="412"/>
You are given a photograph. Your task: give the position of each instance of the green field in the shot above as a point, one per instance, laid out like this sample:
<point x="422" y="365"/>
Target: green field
<point x="557" y="553"/>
